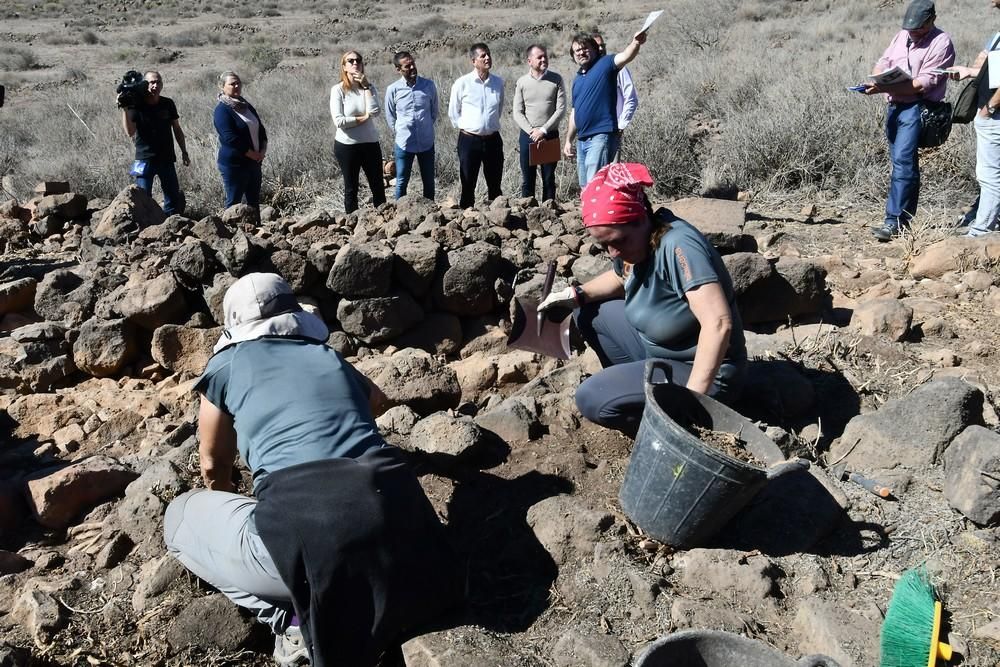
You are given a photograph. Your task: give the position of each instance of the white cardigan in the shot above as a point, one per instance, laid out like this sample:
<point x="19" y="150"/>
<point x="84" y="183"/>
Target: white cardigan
<point x="344" y="107"/>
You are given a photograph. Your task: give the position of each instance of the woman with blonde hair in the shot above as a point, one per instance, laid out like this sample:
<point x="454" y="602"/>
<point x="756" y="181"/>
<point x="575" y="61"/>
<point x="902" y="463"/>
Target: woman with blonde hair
<point x="354" y="105"/>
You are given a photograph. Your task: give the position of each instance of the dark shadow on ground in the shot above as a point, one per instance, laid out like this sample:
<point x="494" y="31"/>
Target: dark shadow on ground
<point x="508" y="573"/>
<point x="833" y="401"/>
<point x="795" y="513"/>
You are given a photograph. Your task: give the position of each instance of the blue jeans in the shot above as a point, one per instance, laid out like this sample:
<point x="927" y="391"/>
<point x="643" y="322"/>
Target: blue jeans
<point x="404" y="166"/>
<point x="593" y="153"/>
<point x="241" y="181"/>
<point x="529" y="173"/>
<point x="173" y="200"/>
<point x="902" y="129"/>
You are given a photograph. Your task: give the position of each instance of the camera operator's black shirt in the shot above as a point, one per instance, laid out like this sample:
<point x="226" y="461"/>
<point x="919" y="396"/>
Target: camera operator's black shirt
<point x="154" y="136"/>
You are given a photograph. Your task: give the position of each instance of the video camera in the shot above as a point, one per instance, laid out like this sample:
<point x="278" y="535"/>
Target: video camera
<point x="132" y="90"/>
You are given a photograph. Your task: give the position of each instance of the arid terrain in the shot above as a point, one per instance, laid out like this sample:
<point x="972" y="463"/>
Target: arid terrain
<point x="880" y="357"/>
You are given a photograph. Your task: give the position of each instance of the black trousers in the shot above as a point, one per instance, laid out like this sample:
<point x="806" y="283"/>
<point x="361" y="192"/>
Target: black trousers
<point x="352" y="158"/>
<point x="475" y="152"/>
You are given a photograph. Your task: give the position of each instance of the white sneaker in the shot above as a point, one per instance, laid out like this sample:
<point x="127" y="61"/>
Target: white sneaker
<point x="290" y="648"/>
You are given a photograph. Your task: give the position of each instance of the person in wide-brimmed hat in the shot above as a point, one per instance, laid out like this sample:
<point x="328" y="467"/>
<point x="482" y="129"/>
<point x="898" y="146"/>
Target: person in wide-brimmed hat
<point x="339" y="551"/>
<point x="668" y="296"/>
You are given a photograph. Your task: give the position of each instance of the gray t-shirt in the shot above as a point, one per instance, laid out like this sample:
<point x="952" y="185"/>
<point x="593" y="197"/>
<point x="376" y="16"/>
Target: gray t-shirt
<point x="292" y="401"/>
<point x="655" y="302"/>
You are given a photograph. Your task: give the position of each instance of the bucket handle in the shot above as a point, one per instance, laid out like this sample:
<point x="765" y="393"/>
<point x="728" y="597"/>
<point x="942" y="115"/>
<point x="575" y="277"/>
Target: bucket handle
<point x="817" y="661"/>
<point x="783" y="468"/>
<point x="652" y="365"/>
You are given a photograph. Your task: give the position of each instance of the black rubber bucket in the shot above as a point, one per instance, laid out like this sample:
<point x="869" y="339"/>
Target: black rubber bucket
<point x="678" y="489"/>
<point x="714" y="648"/>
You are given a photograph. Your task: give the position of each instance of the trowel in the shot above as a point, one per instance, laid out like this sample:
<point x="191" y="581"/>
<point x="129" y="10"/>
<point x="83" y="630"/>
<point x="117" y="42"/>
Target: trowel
<point x="541" y="332"/>
<point x="839" y="472"/>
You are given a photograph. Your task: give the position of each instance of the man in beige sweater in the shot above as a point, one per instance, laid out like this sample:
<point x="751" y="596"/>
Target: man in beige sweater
<point x="539" y="104"/>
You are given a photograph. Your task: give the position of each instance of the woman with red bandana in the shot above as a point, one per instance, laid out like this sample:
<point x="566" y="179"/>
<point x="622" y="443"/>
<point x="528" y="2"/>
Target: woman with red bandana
<point x="668" y="295"/>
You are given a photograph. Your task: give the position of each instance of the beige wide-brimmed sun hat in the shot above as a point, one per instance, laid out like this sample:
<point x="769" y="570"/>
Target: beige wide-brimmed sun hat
<point x="262" y="304"/>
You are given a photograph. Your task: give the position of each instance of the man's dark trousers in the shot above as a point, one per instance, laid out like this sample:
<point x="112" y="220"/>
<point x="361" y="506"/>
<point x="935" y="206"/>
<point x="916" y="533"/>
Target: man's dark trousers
<point x="475" y="151"/>
<point x="528" y="173"/>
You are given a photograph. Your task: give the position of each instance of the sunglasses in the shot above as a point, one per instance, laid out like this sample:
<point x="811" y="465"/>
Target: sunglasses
<point x="353" y="61"/>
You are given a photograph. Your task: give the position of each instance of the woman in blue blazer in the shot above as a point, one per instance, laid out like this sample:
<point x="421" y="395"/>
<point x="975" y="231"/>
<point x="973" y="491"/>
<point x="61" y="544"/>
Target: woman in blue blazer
<point x="242" y="142"/>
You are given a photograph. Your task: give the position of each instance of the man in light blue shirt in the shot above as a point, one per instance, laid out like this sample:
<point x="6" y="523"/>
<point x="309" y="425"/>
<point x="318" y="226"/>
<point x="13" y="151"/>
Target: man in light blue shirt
<point x="474" y="108"/>
<point x="411" y="109"/>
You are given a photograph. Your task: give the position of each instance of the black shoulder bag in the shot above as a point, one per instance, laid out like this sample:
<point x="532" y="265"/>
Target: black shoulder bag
<point x="967" y="103"/>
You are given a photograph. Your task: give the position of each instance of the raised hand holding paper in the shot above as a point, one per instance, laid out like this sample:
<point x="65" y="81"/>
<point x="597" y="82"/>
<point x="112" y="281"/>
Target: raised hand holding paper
<point x="649" y="20"/>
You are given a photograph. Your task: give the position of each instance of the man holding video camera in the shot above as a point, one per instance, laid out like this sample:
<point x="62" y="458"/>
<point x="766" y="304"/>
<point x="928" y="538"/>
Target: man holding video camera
<point x="151" y="121"/>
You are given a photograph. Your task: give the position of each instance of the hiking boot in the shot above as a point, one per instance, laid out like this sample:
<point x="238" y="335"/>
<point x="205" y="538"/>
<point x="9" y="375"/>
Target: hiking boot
<point x="887" y="231"/>
<point x="290" y="648"/>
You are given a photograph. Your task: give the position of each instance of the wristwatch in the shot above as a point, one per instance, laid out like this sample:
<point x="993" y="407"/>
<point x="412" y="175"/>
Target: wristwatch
<point x="990" y="109"/>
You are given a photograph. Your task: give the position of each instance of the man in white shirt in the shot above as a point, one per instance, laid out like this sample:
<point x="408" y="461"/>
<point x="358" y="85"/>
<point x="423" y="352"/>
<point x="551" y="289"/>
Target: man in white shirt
<point x="628" y="99"/>
<point x="474" y="108"/>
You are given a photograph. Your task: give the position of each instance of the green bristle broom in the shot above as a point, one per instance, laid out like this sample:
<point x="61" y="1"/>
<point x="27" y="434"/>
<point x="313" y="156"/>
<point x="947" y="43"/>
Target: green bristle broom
<point x="912" y="625"/>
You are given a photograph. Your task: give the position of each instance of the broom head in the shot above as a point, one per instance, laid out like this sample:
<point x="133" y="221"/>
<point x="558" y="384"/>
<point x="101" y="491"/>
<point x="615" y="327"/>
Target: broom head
<point x="912" y="626"/>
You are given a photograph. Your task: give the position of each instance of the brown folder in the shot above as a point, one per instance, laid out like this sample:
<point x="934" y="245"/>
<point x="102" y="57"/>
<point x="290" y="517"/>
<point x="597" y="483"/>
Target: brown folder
<point x="546" y="151"/>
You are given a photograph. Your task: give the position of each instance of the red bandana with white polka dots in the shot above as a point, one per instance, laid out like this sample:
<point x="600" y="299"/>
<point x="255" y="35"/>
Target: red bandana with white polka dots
<point x="614" y="195"/>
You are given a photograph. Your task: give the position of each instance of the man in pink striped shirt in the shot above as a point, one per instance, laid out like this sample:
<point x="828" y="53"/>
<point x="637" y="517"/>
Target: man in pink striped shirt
<point x="918" y="49"/>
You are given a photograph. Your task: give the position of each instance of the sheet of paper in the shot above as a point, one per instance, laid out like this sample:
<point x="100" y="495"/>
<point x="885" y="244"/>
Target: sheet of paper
<point x="894" y="75"/>
<point x="649" y="19"/>
<point x="993" y="60"/>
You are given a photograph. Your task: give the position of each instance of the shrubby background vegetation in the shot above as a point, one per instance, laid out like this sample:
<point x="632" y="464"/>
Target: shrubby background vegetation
<point x="747" y="97"/>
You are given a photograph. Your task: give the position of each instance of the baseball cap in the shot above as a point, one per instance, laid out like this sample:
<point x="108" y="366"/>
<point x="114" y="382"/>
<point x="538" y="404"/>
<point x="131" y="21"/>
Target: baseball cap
<point x="917" y="13"/>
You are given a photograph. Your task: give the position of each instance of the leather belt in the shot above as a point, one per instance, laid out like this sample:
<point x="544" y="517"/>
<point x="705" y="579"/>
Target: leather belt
<point x="478" y="136"/>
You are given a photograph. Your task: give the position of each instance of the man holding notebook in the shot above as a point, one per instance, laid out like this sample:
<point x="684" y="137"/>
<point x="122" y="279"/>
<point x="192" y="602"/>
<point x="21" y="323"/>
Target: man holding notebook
<point x="539" y="104"/>
<point x="921" y="50"/>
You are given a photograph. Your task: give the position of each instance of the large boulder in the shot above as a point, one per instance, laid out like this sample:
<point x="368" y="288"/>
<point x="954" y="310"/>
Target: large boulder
<point x="297" y="271"/>
<point x="466" y="287"/>
<point x="415" y="378"/>
<point x="183" y="349"/>
<point x="361" y="270"/>
<point x="66" y="206"/>
<point x="129" y="212"/>
<point x="416" y="260"/>
<point x="767" y="293"/>
<point x="57" y="497"/>
<point x="883" y="317"/>
<point x="721" y="220"/>
<point x="912" y="431"/>
<point x="444" y="433"/>
<point x="17" y="295"/>
<point x="972" y="474"/>
<point x="944" y="256"/>
<point x="381" y="318"/>
<point x="65" y="296"/>
<point x="194" y="262"/>
<point x="153" y="303"/>
<point x="104" y="346"/>
<point x="211" y="623"/>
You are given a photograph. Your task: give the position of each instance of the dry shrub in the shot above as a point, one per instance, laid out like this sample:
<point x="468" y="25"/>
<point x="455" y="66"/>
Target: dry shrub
<point x="16" y="58"/>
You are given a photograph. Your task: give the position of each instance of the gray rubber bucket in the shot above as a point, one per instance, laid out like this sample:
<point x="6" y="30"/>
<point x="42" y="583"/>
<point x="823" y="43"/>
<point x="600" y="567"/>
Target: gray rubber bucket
<point x="679" y="490"/>
<point x="713" y="648"/>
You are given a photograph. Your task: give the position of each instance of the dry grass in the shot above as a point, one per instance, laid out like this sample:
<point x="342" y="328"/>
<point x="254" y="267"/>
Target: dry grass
<point x="768" y="81"/>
